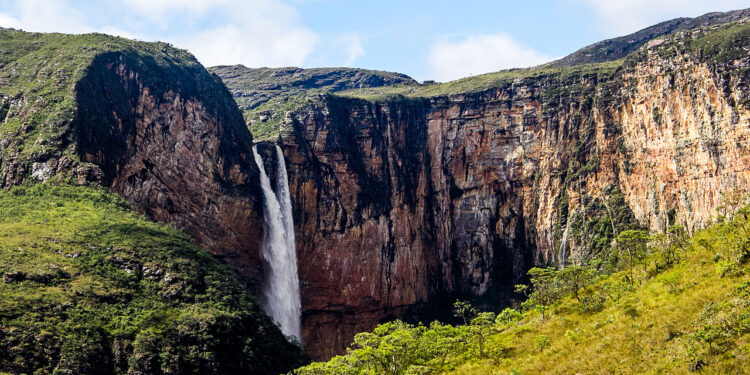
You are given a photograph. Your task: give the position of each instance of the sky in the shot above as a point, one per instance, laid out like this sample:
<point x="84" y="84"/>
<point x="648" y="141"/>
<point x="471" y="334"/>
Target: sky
<point x="426" y="39"/>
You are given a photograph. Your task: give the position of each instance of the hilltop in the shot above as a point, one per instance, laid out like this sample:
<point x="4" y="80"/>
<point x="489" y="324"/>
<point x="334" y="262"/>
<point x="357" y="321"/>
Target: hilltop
<point x="266" y="94"/>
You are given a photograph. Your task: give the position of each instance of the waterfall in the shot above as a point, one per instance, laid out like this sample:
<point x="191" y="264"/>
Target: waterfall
<point x="280" y="298"/>
<point x="564" y="247"/>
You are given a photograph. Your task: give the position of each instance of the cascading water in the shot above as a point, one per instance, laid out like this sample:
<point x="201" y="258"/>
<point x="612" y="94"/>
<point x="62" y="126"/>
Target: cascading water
<point x="563" y="257"/>
<point x="281" y="286"/>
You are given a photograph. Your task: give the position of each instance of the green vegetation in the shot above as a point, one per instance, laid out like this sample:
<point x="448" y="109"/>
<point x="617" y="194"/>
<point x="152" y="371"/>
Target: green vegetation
<point x="87" y="286"/>
<point x="617" y="48"/>
<point x="670" y="305"/>
<point x="267" y="121"/>
<point x="721" y="44"/>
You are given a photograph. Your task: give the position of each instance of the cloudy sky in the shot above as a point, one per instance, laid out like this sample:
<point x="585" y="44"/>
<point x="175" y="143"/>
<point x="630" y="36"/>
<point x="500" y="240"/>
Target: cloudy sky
<point x="427" y="39"/>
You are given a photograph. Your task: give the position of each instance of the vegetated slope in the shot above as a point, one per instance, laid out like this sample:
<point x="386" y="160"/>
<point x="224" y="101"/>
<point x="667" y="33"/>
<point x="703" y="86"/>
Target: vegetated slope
<point x="88" y="286"/>
<point x="686" y="308"/>
<point x="617" y="48"/>
<point x="148" y="122"/>
<point x="266" y="94"/>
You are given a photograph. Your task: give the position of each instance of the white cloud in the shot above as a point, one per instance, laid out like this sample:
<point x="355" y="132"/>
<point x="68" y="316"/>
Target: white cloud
<point x="257" y="33"/>
<point x="479" y="54"/>
<point x="354" y="49"/>
<point x="250" y="32"/>
<point x="45" y="16"/>
<point x="8" y="21"/>
<point x="245" y="45"/>
<point x="159" y="7"/>
<point x="627" y="16"/>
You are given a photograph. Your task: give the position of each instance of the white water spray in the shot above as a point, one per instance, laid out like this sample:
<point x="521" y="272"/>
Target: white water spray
<point x="281" y="286"/>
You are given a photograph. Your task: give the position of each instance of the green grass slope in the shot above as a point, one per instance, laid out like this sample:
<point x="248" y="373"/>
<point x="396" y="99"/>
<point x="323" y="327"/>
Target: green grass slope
<point x="87" y="286"/>
<point x="686" y="309"/>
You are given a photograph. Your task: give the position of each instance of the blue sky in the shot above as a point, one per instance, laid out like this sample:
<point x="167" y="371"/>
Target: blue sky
<point x="435" y="39"/>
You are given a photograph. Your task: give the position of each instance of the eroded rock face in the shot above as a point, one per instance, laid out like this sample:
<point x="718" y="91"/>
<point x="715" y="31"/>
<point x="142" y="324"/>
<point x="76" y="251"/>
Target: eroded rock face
<point x="179" y="152"/>
<point x="400" y="201"/>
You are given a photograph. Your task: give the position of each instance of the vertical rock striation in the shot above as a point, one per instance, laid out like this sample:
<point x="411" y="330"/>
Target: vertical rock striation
<point x="400" y="200"/>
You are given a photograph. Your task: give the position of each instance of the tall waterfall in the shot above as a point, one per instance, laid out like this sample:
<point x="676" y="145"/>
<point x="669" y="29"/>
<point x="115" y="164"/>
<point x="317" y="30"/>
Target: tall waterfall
<point x="281" y="298"/>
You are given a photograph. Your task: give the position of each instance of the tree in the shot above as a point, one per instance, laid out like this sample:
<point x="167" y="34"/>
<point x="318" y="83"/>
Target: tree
<point x="574" y="278"/>
<point x="390" y="348"/>
<point x="507" y="316"/>
<point x="545" y="288"/>
<point x="678" y="238"/>
<point x="481" y="328"/>
<point x="731" y="202"/>
<point x="634" y="242"/>
<point x="442" y="340"/>
<point x="464" y="310"/>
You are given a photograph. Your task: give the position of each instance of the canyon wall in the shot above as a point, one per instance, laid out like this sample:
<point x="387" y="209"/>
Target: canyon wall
<point x="400" y="200"/>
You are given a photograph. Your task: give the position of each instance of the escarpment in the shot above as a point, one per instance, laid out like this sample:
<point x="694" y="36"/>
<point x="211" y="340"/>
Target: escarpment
<point x="403" y="199"/>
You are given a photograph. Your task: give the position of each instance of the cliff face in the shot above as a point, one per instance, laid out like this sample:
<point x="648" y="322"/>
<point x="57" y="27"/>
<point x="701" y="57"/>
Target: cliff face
<point x="180" y="153"/>
<point x="400" y="200"/>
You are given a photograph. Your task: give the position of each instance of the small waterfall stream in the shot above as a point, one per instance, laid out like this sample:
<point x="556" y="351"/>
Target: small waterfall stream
<point x="281" y="298"/>
<point x="563" y="257"/>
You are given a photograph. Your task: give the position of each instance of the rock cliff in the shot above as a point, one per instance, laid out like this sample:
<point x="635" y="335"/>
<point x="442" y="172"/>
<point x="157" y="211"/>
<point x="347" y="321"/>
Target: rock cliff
<point x="401" y="199"/>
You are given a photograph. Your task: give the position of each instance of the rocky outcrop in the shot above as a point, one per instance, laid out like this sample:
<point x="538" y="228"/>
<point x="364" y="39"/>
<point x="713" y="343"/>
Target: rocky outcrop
<point x="401" y="200"/>
<point x="180" y="153"/>
<point x="254" y="86"/>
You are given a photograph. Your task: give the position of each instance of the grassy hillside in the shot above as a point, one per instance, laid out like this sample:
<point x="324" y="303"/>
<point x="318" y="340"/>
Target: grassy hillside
<point x="686" y="308"/>
<point x="87" y="286"/>
<point x="484" y="81"/>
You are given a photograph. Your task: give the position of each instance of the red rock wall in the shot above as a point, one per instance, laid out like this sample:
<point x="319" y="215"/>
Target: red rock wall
<point x="179" y="152"/>
<point x="400" y="201"/>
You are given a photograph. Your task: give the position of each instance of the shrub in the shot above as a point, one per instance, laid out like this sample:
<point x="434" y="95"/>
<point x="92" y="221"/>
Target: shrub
<point x="542" y="342"/>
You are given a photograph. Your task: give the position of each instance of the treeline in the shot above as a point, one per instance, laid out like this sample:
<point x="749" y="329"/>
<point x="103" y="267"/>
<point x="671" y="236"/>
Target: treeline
<point x="623" y="283"/>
